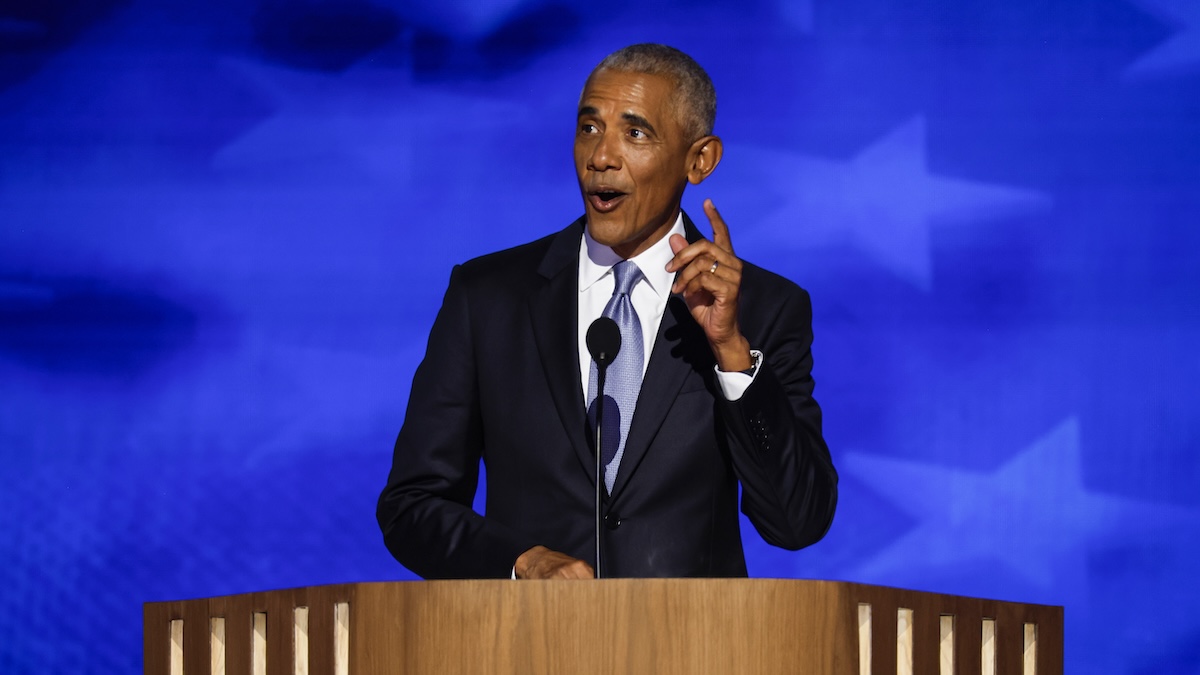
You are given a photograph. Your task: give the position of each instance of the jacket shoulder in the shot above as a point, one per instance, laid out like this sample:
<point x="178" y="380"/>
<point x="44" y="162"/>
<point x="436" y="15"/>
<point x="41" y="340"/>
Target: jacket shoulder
<point x="763" y="282"/>
<point x="541" y="257"/>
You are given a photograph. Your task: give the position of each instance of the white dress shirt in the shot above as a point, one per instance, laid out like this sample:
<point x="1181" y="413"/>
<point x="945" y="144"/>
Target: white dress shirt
<point x="649" y="301"/>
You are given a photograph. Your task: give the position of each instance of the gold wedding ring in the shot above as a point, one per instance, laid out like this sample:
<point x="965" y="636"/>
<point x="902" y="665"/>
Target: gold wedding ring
<point x="713" y="269"/>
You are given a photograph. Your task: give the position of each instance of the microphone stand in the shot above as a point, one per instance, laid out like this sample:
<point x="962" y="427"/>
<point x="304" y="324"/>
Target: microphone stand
<point x="601" y="374"/>
<point x="604" y="343"/>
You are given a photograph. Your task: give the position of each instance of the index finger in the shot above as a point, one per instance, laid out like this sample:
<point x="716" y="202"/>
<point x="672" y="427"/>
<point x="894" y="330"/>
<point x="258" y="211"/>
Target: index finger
<point x="720" y="229"/>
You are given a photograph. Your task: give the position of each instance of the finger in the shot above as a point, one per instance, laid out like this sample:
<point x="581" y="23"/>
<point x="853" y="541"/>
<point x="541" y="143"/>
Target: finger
<point x="712" y="273"/>
<point x="695" y="250"/>
<point x="720" y="229"/>
<point x="710" y="284"/>
<point x="707" y="290"/>
<point x="686" y="253"/>
<point x="695" y="268"/>
<point x="682" y="261"/>
<point x="727" y="267"/>
<point x="677" y="242"/>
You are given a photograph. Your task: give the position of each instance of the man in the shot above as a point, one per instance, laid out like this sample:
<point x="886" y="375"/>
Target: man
<point x="717" y="371"/>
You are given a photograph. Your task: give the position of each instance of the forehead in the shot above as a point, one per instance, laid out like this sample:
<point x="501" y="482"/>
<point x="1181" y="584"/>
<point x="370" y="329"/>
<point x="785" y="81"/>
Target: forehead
<point x="619" y="92"/>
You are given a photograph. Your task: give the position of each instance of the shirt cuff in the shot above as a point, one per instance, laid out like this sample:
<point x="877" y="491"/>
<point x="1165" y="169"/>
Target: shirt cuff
<point x="733" y="385"/>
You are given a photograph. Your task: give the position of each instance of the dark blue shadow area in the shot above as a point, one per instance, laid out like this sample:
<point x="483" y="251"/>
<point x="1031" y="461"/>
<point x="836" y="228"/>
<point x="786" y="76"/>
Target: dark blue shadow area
<point x="323" y="35"/>
<point x="509" y="48"/>
<point x="31" y="31"/>
<point x="79" y="326"/>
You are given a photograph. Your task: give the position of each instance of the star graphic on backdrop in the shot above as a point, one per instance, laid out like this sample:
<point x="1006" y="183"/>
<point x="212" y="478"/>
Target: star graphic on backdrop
<point x="884" y="200"/>
<point x="1031" y="514"/>
<point x="363" y="123"/>
<point x="1181" y="49"/>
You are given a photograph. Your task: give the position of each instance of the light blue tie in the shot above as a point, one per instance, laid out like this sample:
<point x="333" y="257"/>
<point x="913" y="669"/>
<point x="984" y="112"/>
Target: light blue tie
<point x="624" y="377"/>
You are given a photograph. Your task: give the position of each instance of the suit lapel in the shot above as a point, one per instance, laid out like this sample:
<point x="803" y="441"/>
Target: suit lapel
<point x="553" y="310"/>
<point x="679" y="349"/>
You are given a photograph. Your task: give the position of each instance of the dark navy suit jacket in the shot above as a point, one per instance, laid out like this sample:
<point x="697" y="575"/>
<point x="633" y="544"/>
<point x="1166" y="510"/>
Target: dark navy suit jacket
<point x="501" y="381"/>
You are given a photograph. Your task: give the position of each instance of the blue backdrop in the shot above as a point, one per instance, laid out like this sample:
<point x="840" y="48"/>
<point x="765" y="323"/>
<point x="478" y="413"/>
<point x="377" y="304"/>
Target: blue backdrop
<point x="225" y="228"/>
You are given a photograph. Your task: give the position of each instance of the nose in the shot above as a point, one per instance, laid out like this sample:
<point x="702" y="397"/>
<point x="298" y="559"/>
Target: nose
<point x="605" y="153"/>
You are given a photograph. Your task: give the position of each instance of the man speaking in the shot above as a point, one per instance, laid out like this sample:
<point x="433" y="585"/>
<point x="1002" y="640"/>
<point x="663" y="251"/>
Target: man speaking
<point x="711" y="387"/>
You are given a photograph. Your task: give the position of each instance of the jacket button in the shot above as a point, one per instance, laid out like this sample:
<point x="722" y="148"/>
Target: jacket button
<point x="612" y="521"/>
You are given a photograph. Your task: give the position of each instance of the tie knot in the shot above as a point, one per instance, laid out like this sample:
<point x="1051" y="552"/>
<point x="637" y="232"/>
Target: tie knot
<point x="627" y="274"/>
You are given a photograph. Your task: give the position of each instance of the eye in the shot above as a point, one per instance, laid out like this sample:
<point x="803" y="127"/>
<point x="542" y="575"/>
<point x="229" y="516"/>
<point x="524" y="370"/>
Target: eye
<point x="587" y="128"/>
<point x="637" y="133"/>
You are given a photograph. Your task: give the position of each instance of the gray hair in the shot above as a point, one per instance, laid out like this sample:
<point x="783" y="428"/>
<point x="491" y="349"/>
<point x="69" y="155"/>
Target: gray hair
<point x="696" y="96"/>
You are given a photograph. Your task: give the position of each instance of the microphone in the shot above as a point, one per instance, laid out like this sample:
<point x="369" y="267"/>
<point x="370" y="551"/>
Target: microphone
<point x="603" y="343"/>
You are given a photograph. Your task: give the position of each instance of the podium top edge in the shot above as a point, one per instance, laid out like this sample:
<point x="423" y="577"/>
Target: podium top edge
<point x="854" y="589"/>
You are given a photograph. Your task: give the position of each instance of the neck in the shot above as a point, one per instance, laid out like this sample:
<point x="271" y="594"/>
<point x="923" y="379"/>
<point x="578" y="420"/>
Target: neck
<point x="631" y="249"/>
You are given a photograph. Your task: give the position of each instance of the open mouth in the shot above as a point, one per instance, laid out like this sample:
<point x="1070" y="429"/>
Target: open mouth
<point x="605" y="199"/>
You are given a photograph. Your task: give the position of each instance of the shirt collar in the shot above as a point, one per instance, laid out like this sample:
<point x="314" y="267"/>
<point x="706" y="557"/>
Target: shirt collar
<point x="596" y="259"/>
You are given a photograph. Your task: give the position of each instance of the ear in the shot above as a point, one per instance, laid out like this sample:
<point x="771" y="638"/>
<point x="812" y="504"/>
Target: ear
<point x="703" y="158"/>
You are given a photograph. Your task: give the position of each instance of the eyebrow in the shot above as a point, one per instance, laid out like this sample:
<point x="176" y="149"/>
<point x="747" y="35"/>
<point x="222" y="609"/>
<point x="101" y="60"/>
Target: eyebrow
<point x="639" y="121"/>
<point x="631" y="118"/>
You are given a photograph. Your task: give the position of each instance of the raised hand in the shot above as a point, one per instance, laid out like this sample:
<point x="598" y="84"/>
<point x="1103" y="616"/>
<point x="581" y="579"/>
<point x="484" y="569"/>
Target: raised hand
<point x="710" y="277"/>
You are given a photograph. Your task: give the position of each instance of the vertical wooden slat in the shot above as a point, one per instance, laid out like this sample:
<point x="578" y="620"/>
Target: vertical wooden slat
<point x="987" y="651"/>
<point x="258" y="644"/>
<point x="175" y="662"/>
<point x="864" y="638"/>
<point x="1029" y="650"/>
<point x="904" y="641"/>
<point x="300" y="641"/>
<point x="946" y="644"/>
<point x="341" y="641"/>
<point x="216" y="637"/>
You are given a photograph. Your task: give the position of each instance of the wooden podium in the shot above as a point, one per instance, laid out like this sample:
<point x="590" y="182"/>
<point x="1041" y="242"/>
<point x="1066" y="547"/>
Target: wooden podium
<point x="625" y="626"/>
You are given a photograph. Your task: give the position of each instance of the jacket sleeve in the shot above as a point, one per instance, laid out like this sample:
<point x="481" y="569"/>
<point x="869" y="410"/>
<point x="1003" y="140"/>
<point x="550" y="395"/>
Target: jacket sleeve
<point x="425" y="510"/>
<point x="789" y="485"/>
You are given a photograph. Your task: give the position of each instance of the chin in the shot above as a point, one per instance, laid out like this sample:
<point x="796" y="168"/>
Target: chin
<point x="603" y="227"/>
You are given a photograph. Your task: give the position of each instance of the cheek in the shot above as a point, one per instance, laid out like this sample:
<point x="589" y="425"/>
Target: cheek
<point x="583" y="148"/>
